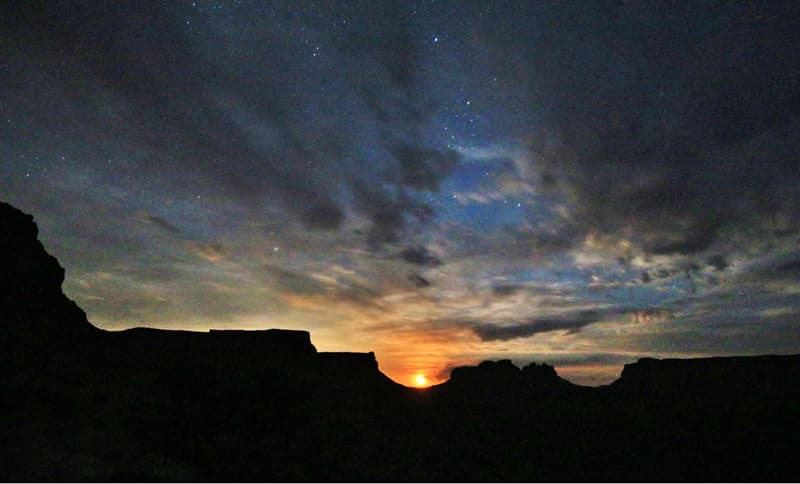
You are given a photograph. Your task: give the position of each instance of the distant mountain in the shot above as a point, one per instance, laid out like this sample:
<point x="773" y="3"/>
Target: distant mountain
<point x="79" y="403"/>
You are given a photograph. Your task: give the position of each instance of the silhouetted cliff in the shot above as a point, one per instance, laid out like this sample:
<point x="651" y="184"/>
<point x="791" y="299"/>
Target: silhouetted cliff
<point x="506" y="373"/>
<point x="501" y="383"/>
<point x="754" y="375"/>
<point x="30" y="283"/>
<point x="79" y="403"/>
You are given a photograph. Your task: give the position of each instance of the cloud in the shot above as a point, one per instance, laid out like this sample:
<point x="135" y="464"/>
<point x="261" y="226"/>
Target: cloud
<point x="504" y="290"/>
<point x="314" y="290"/>
<point x="674" y="140"/>
<point x="289" y="114"/>
<point x="159" y="222"/>
<point x="790" y="268"/>
<point x="212" y="252"/>
<point x="420" y="256"/>
<point x="718" y="261"/>
<point x="572" y="323"/>
<point x="423" y="169"/>
<point x="419" y="281"/>
<point x="650" y="315"/>
<point x="783" y="266"/>
<point x="325" y="215"/>
<point x="386" y="212"/>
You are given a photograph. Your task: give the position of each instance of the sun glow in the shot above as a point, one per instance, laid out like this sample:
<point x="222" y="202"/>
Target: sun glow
<point x="420" y="380"/>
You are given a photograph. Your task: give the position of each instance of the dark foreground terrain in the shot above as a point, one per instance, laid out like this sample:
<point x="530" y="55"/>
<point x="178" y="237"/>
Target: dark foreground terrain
<point x="79" y="403"/>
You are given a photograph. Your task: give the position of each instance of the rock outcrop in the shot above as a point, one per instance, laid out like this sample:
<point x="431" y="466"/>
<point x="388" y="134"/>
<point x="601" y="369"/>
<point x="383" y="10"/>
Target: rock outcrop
<point x="505" y="373"/>
<point x="30" y="274"/>
<point x="31" y="301"/>
<point x="292" y="342"/>
<point x="734" y="376"/>
<point x="358" y="362"/>
<point x="486" y="371"/>
<point x="540" y="372"/>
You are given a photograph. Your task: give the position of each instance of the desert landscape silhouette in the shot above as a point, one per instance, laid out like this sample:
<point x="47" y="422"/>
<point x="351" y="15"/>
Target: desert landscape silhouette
<point x="416" y="241"/>
<point x="80" y="403"/>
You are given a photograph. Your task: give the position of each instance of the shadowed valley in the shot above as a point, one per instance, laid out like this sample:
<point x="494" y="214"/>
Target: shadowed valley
<point x="80" y="403"/>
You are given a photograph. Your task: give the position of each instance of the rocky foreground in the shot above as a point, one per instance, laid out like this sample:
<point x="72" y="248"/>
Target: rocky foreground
<point x="79" y="403"/>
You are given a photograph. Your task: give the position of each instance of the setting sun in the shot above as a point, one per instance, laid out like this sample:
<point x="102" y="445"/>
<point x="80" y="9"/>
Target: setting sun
<point x="420" y="380"/>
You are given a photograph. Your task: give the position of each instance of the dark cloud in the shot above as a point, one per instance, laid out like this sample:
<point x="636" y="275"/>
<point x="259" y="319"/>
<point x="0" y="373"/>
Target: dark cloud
<point x="388" y="211"/>
<point x="509" y="289"/>
<point x="281" y="112"/>
<point x="159" y="222"/>
<point x="419" y="281"/>
<point x="664" y="273"/>
<point x="572" y="323"/>
<point x="504" y="290"/>
<point x="782" y="267"/>
<point x="689" y="241"/>
<point x="423" y="169"/>
<point x="791" y="267"/>
<point x="718" y="261"/>
<point x="680" y="122"/>
<point x="327" y="216"/>
<point x="420" y="256"/>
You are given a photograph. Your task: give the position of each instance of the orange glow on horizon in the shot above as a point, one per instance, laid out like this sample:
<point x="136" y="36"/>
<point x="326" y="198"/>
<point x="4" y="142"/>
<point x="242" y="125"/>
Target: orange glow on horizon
<point x="420" y="381"/>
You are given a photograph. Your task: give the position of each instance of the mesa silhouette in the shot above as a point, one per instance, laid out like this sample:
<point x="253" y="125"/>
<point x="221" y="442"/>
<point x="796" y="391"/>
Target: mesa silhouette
<point x="79" y="403"/>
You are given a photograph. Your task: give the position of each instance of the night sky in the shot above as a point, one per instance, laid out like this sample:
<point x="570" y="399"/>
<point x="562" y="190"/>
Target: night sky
<point x="442" y="183"/>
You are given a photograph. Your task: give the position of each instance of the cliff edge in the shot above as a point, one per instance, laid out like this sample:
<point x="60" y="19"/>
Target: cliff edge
<point x="31" y="300"/>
